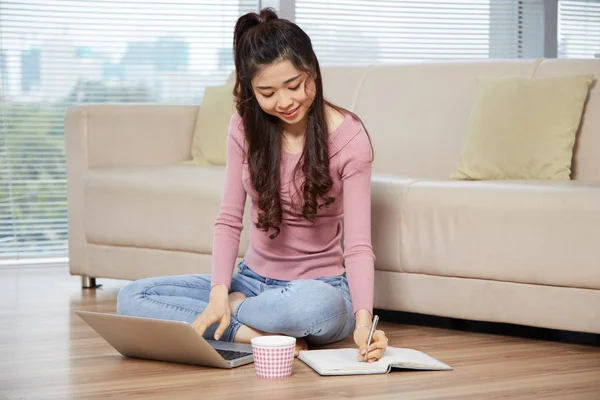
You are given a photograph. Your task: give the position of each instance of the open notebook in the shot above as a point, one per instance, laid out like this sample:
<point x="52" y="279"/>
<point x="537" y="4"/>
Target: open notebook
<point x="344" y="362"/>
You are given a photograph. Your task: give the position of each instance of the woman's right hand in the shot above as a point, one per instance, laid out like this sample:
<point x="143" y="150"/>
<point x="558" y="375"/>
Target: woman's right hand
<point x="217" y="310"/>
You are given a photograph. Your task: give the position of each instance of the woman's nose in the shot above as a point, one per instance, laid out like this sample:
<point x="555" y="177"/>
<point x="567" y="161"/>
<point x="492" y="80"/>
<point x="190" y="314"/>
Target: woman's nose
<point x="284" y="102"/>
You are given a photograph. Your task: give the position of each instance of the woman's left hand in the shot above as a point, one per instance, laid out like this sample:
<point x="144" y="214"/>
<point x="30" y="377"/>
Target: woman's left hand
<point x="379" y="343"/>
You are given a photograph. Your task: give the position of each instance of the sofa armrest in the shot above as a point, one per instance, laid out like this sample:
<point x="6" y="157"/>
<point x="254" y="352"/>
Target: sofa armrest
<point x="105" y="136"/>
<point x="387" y="192"/>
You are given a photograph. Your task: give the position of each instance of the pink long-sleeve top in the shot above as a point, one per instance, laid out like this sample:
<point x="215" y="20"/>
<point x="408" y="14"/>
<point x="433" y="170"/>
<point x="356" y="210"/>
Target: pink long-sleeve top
<point x="303" y="249"/>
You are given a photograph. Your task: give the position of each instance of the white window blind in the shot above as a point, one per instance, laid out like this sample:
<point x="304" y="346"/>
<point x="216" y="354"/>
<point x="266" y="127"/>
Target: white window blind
<point x="579" y="29"/>
<point x="58" y="53"/>
<point x="388" y="31"/>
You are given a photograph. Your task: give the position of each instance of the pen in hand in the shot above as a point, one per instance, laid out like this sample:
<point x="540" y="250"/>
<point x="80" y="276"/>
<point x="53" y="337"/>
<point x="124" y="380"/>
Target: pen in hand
<point x="373" y="326"/>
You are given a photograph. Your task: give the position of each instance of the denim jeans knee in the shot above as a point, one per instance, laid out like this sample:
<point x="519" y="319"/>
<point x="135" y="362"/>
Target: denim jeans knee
<point x="303" y="308"/>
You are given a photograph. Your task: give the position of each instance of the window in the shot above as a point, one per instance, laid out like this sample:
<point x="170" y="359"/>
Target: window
<point x="382" y="31"/>
<point x="579" y="29"/>
<point x="59" y="53"/>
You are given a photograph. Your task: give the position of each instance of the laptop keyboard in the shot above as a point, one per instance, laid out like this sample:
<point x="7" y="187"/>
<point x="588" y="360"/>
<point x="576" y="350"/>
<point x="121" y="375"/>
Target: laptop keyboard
<point x="231" y="355"/>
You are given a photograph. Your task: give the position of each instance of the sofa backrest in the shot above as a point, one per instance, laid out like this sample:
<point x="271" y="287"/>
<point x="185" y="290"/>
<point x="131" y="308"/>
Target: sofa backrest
<point x="417" y="113"/>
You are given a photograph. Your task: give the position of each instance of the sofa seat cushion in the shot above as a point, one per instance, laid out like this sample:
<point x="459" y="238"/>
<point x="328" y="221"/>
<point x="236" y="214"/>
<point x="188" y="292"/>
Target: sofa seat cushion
<point x="538" y="232"/>
<point x="166" y="207"/>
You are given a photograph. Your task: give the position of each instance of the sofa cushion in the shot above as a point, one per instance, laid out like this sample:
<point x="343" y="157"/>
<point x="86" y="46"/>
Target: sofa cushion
<point x="168" y="207"/>
<point x="586" y="163"/>
<point x="539" y="232"/>
<point x="523" y="128"/>
<point x="209" y="143"/>
<point x="431" y="103"/>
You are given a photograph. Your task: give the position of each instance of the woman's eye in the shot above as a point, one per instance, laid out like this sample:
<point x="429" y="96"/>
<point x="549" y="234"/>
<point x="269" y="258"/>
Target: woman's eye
<point x="296" y="87"/>
<point x="268" y="95"/>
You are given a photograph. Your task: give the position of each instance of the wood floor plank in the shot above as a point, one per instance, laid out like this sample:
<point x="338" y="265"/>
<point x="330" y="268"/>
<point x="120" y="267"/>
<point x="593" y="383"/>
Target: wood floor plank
<point x="47" y="352"/>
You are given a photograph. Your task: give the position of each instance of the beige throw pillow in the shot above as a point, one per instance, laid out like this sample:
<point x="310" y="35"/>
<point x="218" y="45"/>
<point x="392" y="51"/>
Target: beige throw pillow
<point x="209" y="145"/>
<point x="523" y="128"/>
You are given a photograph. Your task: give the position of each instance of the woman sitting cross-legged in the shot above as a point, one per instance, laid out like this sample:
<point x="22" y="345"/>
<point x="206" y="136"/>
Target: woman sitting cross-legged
<point x="306" y="165"/>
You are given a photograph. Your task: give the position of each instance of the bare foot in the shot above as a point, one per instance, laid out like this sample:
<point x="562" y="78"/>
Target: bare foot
<point x="300" y="346"/>
<point x="245" y="334"/>
<point x="235" y="299"/>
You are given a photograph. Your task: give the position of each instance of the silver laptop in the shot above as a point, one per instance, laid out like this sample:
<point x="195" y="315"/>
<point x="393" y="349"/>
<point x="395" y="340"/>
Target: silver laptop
<point x="163" y="340"/>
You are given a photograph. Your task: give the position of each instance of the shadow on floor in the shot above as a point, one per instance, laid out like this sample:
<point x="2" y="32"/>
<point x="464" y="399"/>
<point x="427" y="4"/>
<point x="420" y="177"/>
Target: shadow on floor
<point x="493" y="328"/>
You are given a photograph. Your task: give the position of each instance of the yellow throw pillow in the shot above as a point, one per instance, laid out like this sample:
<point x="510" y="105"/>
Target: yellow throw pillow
<point x="209" y="144"/>
<point x="523" y="128"/>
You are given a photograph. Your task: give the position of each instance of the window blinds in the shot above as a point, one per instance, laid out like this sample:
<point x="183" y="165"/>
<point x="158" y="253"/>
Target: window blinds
<point x="388" y="31"/>
<point x="59" y="53"/>
<point x="579" y="29"/>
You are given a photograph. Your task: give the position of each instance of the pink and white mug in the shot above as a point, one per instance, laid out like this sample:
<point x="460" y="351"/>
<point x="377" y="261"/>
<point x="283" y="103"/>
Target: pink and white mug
<point x="273" y="356"/>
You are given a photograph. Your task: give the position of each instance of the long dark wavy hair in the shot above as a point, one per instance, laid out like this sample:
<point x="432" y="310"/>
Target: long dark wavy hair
<point x="260" y="40"/>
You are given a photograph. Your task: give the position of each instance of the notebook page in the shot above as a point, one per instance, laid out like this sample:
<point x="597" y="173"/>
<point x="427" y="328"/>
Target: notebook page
<point x="410" y="357"/>
<point x="342" y="360"/>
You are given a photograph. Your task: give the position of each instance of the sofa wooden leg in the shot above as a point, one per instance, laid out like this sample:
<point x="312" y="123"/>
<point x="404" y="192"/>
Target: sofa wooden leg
<point x="88" y="282"/>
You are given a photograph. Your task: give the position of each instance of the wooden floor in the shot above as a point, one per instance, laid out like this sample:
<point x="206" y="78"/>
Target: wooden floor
<point x="47" y="352"/>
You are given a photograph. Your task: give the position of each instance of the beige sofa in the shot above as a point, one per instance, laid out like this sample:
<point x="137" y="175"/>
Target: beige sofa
<point x="524" y="252"/>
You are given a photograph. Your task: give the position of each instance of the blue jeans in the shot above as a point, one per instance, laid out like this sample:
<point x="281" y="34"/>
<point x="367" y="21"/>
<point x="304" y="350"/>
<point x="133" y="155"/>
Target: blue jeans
<point x="318" y="310"/>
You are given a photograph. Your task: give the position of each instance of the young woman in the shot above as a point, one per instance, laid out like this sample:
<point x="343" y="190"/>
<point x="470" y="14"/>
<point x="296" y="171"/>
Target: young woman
<point x="306" y="165"/>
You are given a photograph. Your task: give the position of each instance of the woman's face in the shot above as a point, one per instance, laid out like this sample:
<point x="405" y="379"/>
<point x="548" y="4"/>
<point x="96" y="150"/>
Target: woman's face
<point x="284" y="92"/>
